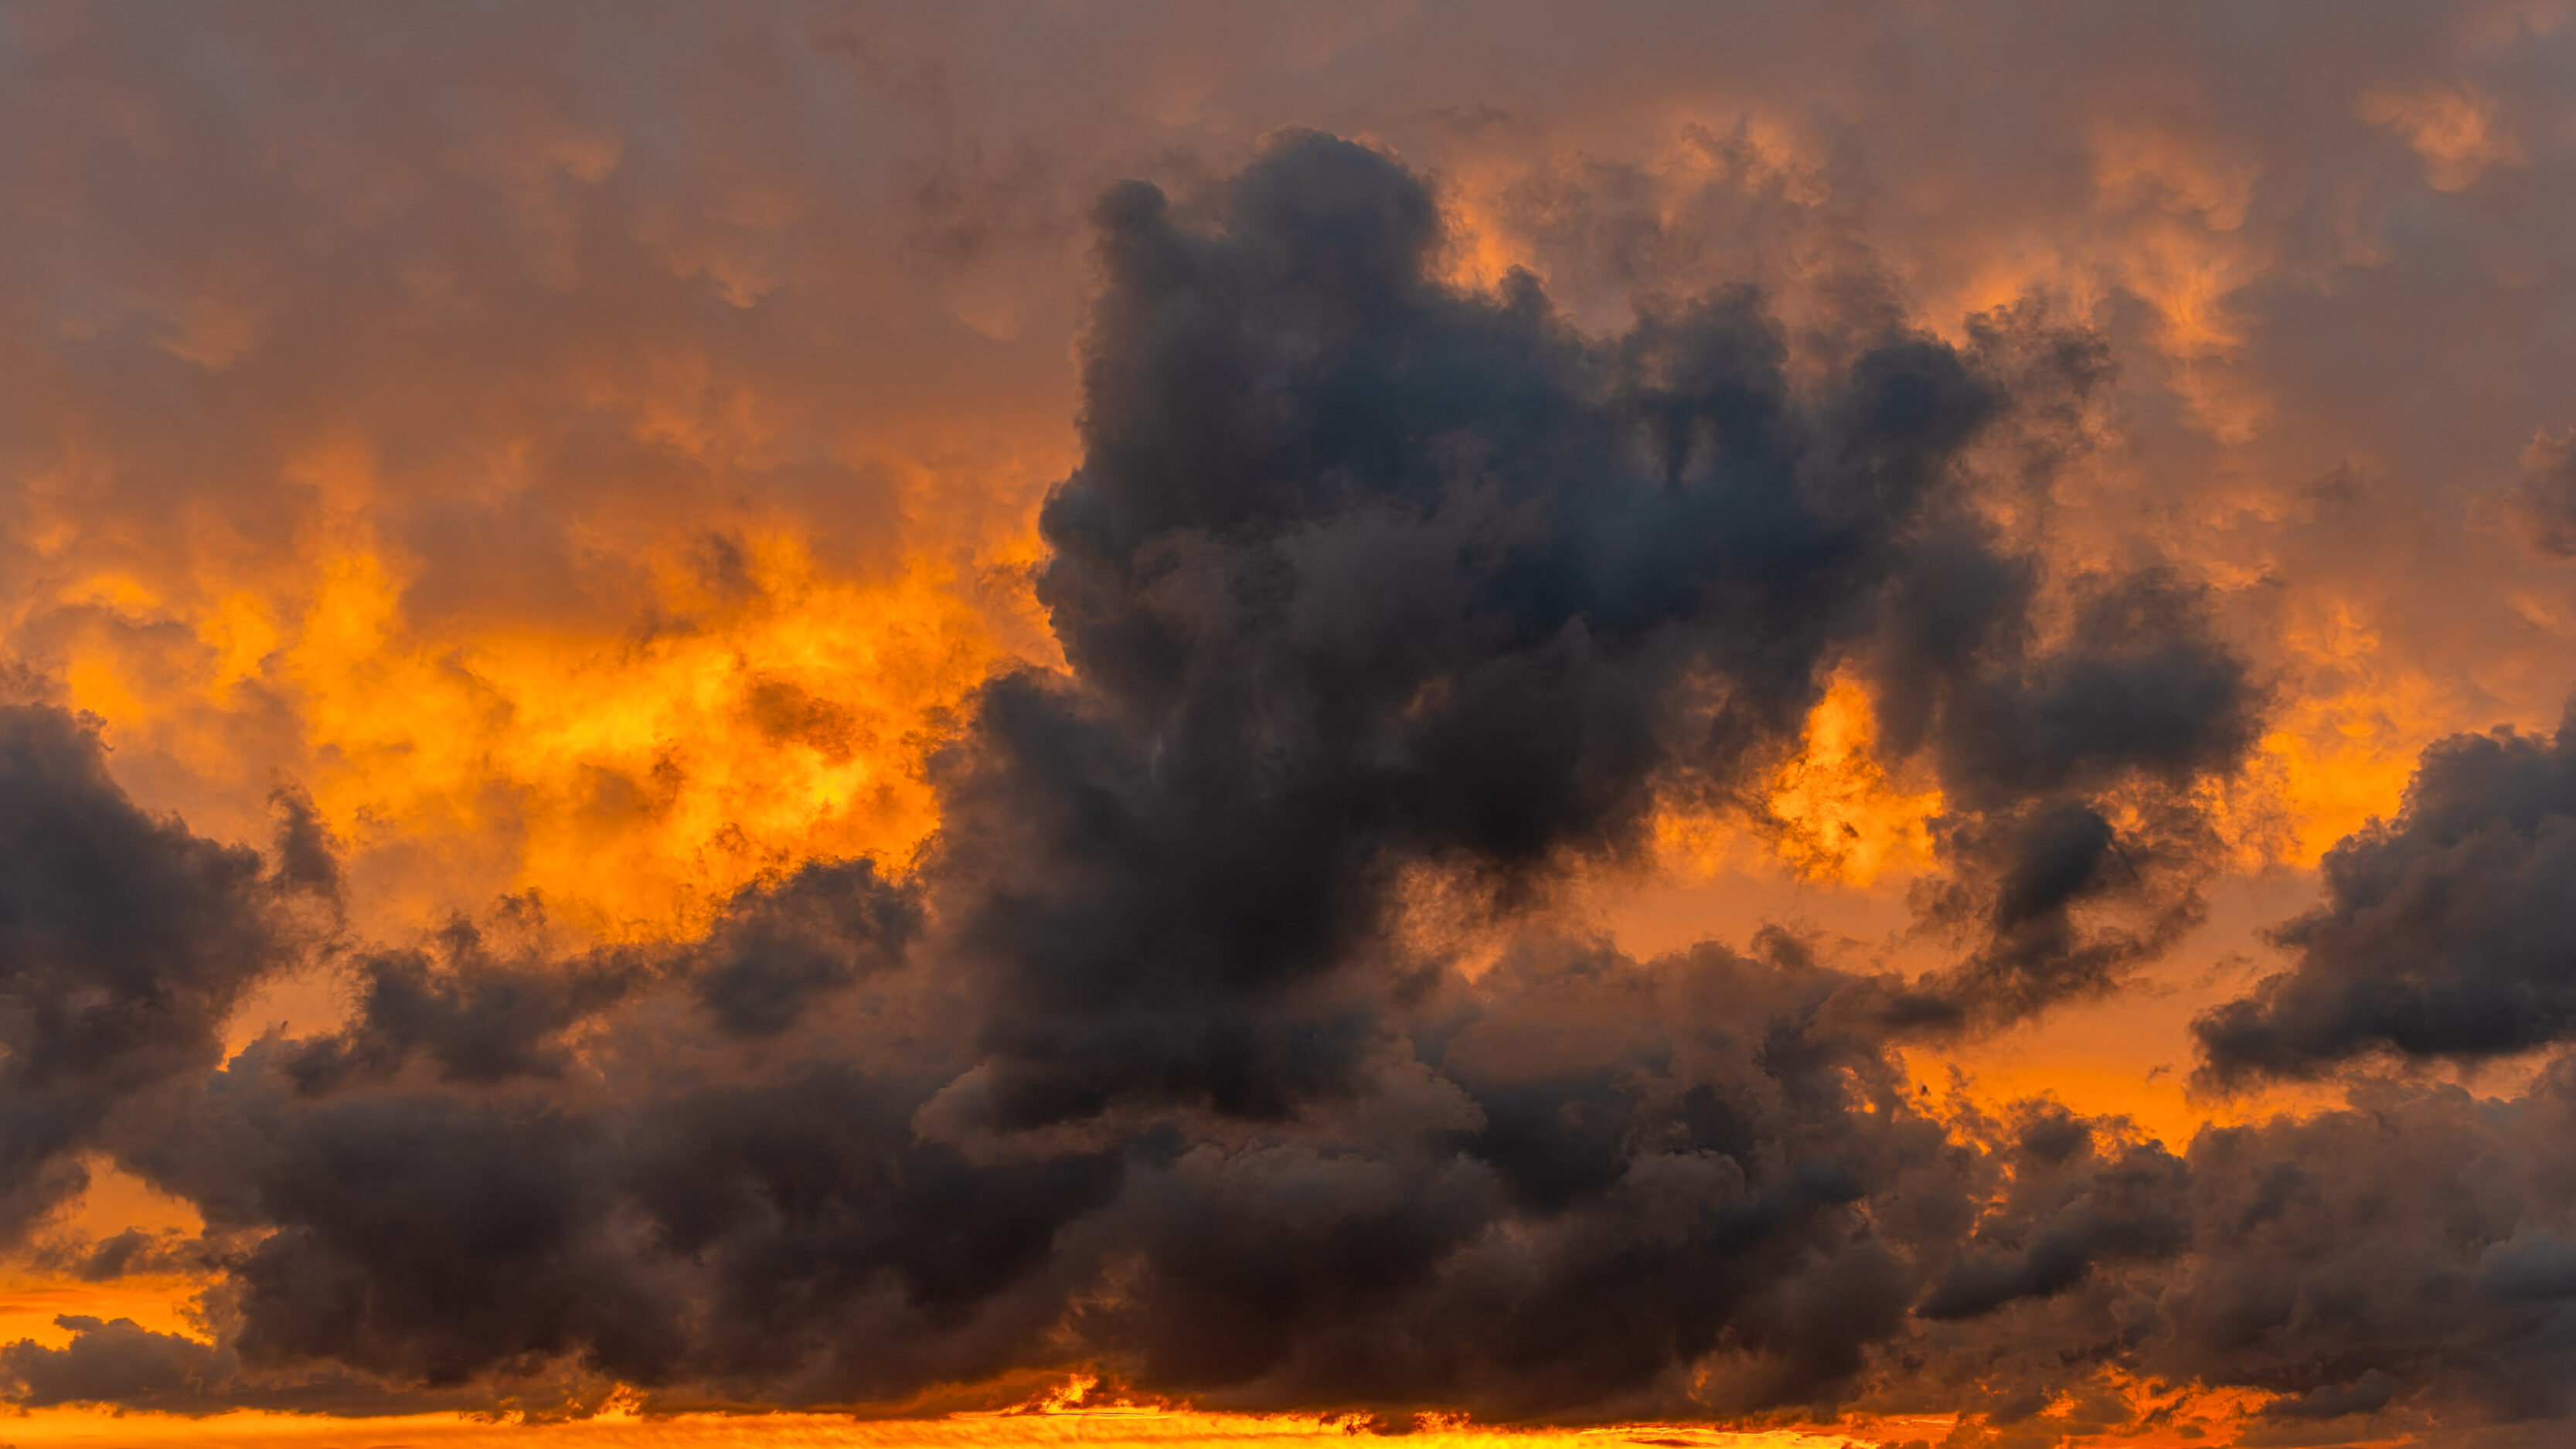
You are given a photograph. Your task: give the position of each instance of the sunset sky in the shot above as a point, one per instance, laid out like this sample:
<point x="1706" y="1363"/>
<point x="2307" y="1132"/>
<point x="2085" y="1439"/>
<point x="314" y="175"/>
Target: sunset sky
<point x="1765" y="726"/>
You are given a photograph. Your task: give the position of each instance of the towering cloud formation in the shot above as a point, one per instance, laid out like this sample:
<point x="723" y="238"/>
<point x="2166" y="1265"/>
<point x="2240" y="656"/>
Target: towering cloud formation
<point x="1377" y="593"/>
<point x="1361" y="573"/>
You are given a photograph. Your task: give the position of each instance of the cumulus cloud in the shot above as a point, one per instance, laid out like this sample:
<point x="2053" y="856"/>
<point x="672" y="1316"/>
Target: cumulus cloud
<point x="1593" y="1175"/>
<point x="125" y="941"/>
<point x="118" y="1361"/>
<point x="2443" y="932"/>
<point x="1359" y="569"/>
<point x="2395" y="1266"/>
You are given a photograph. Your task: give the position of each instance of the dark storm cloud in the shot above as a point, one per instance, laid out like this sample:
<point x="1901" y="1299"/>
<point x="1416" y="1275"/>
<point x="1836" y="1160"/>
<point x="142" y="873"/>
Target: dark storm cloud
<point x="2444" y="933"/>
<point x="1594" y="1174"/>
<point x="118" y="1361"/>
<point x="475" y="1017"/>
<point x="124" y="943"/>
<point x="1603" y="1188"/>
<point x="782" y="945"/>
<point x="1613" y="1172"/>
<point x="2074" y="1202"/>
<point x="2042" y="747"/>
<point x="1364" y="580"/>
<point x="1360" y="570"/>
<point x="2396" y="1266"/>
<point x="479" y="1009"/>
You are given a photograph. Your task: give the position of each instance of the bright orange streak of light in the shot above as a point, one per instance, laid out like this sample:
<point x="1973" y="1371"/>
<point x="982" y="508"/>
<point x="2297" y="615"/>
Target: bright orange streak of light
<point x="1123" y="1428"/>
<point x="2187" y="1417"/>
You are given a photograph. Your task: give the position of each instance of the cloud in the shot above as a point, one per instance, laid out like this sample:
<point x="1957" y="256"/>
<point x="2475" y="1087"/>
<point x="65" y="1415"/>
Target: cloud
<point x="2543" y="503"/>
<point x="2389" y="1267"/>
<point x="125" y="942"/>
<point x="1598" y="1188"/>
<point x="120" y="1362"/>
<point x="2073" y="1204"/>
<point x="2397" y="1249"/>
<point x="2455" y="131"/>
<point x="2128" y="717"/>
<point x="2442" y="932"/>
<point x="786" y="942"/>
<point x="1360" y="570"/>
<point x="1587" y="1179"/>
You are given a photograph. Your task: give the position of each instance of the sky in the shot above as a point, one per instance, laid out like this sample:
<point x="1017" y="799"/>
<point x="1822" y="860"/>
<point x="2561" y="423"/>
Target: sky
<point x="1763" y="725"/>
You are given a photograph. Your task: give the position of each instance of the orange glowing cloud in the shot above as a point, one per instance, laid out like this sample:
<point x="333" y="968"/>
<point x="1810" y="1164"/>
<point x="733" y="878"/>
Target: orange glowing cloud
<point x="1840" y="818"/>
<point x="765" y="712"/>
<point x="1831" y="813"/>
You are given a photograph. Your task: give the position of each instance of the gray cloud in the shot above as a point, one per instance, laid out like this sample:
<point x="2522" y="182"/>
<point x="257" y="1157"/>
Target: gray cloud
<point x="1360" y="570"/>
<point x="125" y="941"/>
<point x="2393" y="1267"/>
<point x="2443" y="932"/>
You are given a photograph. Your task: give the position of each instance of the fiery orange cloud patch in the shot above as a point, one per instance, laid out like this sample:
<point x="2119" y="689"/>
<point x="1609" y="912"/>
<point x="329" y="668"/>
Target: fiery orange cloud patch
<point x="763" y="710"/>
<point x="1834" y="814"/>
<point x="2341" y="749"/>
<point x="1842" y="818"/>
